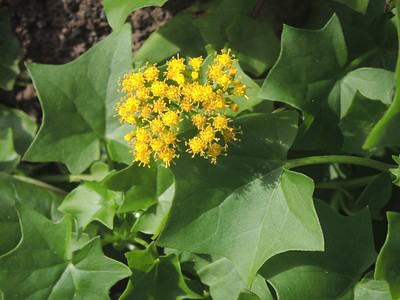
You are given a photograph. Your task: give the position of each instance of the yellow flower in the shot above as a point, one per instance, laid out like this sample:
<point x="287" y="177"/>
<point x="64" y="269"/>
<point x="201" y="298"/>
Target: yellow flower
<point x="196" y="63"/>
<point x="224" y="59"/>
<point x="129" y="136"/>
<point x="186" y="105"/>
<point x="196" y="146"/>
<point x="167" y="155"/>
<point x="151" y="73"/>
<point x="195" y="75"/>
<point x="214" y="72"/>
<point x="156" y="126"/>
<point x="168" y="137"/>
<point x="239" y="88"/>
<point x="225" y="80"/>
<point x="142" y="135"/>
<point x="213" y="151"/>
<point x="157" y="144"/>
<point x="159" y="88"/>
<point x="199" y="121"/>
<point x="146" y="111"/>
<point x="143" y="93"/>
<point x="173" y="93"/>
<point x="220" y="122"/>
<point x="159" y="106"/>
<point x="208" y="134"/>
<point x="171" y="118"/>
<point x="175" y="67"/>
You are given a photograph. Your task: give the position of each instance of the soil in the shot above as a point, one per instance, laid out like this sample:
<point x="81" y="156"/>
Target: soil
<point x="59" y="31"/>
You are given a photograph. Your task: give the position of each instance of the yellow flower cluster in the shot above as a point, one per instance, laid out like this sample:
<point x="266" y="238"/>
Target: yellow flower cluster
<point x="157" y="103"/>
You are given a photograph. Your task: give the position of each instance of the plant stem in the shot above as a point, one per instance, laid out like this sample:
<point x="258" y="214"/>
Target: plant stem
<point x="344" y="159"/>
<point x="346" y="183"/>
<point x="39" y="183"/>
<point x="66" y="178"/>
<point x="110" y="162"/>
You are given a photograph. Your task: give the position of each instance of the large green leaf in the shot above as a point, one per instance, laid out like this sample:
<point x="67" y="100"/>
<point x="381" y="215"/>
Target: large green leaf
<point x="179" y="35"/>
<point x="89" y="202"/>
<point x="385" y="132"/>
<point x="357" y="123"/>
<point x="23" y="127"/>
<point x="255" y="43"/>
<point x="14" y="191"/>
<point x="246" y="207"/>
<point x="39" y="267"/>
<point x="77" y="100"/>
<point x="349" y="251"/>
<point x="306" y="77"/>
<point x="388" y="262"/>
<point x="10" y="52"/>
<point x="225" y="282"/>
<point x="156" y="277"/>
<point x="9" y="159"/>
<point x="118" y="10"/>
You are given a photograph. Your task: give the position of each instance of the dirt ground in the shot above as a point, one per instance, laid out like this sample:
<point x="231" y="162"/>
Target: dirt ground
<point x="59" y="31"/>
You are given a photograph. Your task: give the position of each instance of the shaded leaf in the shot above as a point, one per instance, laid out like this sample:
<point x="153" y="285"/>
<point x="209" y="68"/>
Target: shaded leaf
<point x="349" y="251"/>
<point x="89" y="202"/>
<point x="23" y="127"/>
<point x="10" y="52"/>
<point x="357" y="123"/>
<point x="388" y="263"/>
<point x="178" y="35"/>
<point x="225" y="282"/>
<point x="77" y="101"/>
<point x="306" y="77"/>
<point x="156" y="277"/>
<point x="213" y="25"/>
<point x="39" y="267"/>
<point x="9" y="159"/>
<point x="357" y="5"/>
<point x="247" y="295"/>
<point x="376" y="195"/>
<point x="118" y="10"/>
<point x="255" y="43"/>
<point x="246" y="207"/>
<point x="14" y="191"/>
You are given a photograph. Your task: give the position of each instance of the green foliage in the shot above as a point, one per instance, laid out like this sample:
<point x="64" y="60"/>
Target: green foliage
<point x="80" y="220"/>
<point x="10" y="52"/>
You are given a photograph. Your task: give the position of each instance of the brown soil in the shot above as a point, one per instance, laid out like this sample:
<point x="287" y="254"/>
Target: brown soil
<point x="59" y="31"/>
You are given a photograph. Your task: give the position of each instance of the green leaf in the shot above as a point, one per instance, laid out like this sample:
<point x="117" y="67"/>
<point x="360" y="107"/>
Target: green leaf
<point x="213" y="26"/>
<point x="247" y="295"/>
<point x="375" y="84"/>
<point x="306" y="77"/>
<point x="255" y="43"/>
<point x="396" y="171"/>
<point x="23" y="127"/>
<point x="357" y="123"/>
<point x="376" y="195"/>
<point x="10" y="52"/>
<point x="77" y="101"/>
<point x="357" y="5"/>
<point x="14" y="191"/>
<point x="39" y="267"/>
<point x="246" y="207"/>
<point x="225" y="282"/>
<point x="349" y="251"/>
<point x="89" y="202"/>
<point x="178" y="35"/>
<point x="9" y="159"/>
<point x="369" y="288"/>
<point x="385" y="132"/>
<point x="156" y="277"/>
<point x="388" y="262"/>
<point x="118" y="10"/>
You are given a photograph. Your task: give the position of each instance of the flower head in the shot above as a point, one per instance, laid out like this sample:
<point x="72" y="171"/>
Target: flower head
<point x="156" y="103"/>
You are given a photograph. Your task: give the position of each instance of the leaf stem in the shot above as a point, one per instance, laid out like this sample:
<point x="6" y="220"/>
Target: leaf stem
<point x="346" y="183"/>
<point x="110" y="162"/>
<point x="344" y="159"/>
<point x="39" y="183"/>
<point x="67" y="178"/>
